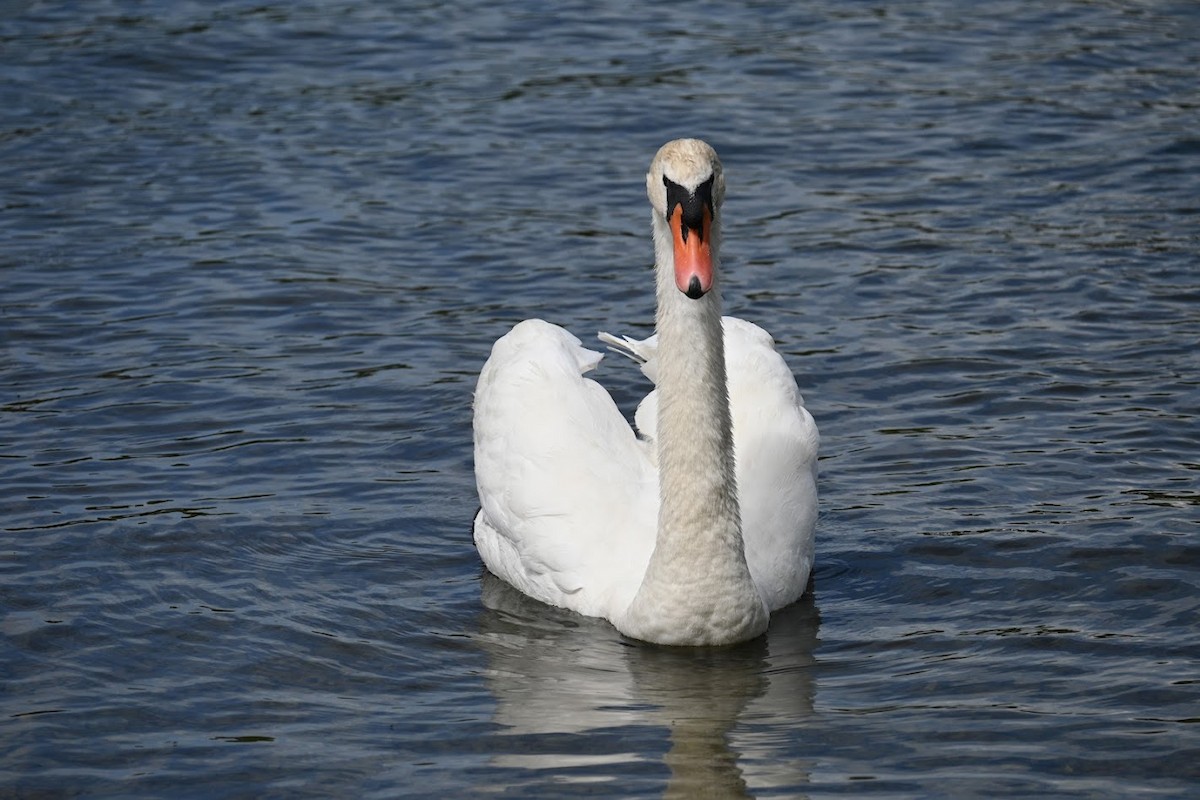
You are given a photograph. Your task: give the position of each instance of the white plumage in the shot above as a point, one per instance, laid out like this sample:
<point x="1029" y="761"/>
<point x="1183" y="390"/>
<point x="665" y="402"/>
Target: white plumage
<point x="693" y="532"/>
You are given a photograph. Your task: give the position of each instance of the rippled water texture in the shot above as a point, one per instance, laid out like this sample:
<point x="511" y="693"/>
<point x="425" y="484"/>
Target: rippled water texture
<point x="254" y="255"/>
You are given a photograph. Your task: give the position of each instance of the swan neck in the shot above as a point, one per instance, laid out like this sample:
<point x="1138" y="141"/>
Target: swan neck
<point x="698" y="489"/>
<point x="697" y="588"/>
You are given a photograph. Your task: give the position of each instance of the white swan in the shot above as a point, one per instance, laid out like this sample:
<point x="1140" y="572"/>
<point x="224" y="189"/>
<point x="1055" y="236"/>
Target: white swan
<point x="694" y="533"/>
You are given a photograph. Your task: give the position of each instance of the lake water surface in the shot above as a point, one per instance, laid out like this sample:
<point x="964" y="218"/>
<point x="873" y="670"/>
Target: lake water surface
<point x="253" y="255"/>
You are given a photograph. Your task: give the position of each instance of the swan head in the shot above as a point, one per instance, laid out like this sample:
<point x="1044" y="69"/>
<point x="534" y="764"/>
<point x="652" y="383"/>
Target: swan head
<point x="686" y="187"/>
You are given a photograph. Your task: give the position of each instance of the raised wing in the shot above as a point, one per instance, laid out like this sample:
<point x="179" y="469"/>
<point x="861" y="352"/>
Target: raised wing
<point x="568" y="495"/>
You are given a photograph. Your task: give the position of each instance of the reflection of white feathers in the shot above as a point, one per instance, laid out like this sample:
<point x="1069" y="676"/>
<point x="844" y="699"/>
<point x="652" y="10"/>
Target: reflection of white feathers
<point x="690" y="534"/>
<point x="565" y="687"/>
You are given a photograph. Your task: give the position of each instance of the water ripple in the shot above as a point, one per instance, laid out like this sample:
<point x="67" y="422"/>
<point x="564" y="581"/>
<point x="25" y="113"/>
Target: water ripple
<point x="255" y="255"/>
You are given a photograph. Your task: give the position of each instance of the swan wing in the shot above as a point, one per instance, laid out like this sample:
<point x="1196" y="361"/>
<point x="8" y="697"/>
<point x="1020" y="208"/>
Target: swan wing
<point x="567" y="492"/>
<point x="775" y="450"/>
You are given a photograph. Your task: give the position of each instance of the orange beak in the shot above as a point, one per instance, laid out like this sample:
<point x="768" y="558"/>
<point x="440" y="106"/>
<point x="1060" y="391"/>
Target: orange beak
<point x="693" y="255"/>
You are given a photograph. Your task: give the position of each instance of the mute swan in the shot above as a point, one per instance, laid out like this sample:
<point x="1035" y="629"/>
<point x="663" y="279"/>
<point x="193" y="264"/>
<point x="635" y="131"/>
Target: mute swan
<point x="693" y="533"/>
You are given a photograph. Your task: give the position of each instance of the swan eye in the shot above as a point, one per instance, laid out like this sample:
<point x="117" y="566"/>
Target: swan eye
<point x="693" y="204"/>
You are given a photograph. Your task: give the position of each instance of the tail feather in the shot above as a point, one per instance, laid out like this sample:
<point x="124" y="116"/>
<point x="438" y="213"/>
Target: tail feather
<point x="643" y="352"/>
<point x="623" y="345"/>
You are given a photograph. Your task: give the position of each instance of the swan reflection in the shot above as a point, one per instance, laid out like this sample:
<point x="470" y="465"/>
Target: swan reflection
<point x="577" y="702"/>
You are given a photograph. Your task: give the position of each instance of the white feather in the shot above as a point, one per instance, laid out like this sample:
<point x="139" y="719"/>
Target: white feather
<point x="579" y="512"/>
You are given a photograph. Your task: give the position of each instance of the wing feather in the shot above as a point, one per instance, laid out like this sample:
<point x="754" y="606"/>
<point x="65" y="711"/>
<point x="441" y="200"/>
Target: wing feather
<point x="568" y="495"/>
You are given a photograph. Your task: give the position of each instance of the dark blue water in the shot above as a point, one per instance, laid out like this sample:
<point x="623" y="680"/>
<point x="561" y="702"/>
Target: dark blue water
<point x="253" y="255"/>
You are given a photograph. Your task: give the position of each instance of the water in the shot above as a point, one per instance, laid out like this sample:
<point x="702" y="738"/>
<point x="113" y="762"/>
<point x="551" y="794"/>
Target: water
<point x="254" y="255"/>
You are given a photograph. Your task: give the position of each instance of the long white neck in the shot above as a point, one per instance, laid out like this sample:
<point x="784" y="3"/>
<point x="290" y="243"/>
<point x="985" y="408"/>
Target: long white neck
<point x="697" y="588"/>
